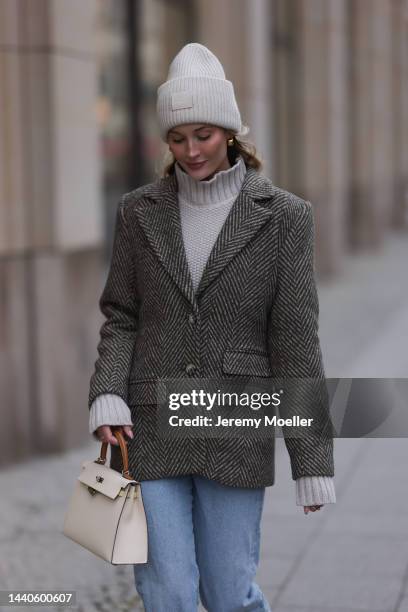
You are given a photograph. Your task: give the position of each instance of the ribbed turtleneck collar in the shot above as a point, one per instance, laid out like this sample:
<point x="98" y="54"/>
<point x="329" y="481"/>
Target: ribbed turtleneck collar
<point x="224" y="185"/>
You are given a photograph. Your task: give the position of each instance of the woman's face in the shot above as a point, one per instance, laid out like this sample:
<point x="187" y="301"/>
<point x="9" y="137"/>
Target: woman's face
<point x="199" y="142"/>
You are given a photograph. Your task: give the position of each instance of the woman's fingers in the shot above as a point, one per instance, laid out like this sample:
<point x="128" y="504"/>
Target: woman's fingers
<point x="128" y="430"/>
<point x="307" y="509"/>
<point x="105" y="434"/>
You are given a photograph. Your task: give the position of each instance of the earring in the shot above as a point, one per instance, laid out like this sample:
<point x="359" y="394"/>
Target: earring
<point x="230" y="142"/>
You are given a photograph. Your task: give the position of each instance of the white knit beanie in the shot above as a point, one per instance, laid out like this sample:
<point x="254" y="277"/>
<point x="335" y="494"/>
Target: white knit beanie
<point x="196" y="91"/>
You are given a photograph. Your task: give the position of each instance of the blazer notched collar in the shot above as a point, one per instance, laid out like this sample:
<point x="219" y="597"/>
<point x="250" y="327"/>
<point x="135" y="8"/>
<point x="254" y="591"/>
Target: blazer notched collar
<point x="161" y="223"/>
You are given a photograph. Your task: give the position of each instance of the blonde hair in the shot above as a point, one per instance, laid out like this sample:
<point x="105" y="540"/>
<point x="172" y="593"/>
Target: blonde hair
<point x="244" y="148"/>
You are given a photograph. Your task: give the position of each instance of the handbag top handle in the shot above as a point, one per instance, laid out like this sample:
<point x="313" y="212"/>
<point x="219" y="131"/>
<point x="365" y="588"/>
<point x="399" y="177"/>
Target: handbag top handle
<point x="123" y="449"/>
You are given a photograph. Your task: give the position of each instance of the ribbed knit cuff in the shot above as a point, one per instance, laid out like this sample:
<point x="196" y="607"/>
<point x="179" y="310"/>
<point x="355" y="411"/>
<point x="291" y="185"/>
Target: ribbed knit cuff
<point x="313" y="490"/>
<point x="108" y="409"/>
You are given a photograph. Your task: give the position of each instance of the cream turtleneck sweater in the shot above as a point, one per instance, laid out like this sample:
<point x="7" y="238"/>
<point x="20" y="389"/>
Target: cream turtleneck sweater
<point x="205" y="205"/>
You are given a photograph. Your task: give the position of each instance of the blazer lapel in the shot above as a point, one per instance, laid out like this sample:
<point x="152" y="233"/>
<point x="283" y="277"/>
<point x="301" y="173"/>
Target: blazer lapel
<point x="161" y="223"/>
<point x="244" y="220"/>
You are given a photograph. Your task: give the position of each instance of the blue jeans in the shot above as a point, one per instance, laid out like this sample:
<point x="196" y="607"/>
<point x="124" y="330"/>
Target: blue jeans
<point x="204" y="539"/>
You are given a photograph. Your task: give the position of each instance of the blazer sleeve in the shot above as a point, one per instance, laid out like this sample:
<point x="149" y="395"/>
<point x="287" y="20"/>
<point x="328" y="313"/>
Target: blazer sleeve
<point x="120" y="305"/>
<point x="295" y="352"/>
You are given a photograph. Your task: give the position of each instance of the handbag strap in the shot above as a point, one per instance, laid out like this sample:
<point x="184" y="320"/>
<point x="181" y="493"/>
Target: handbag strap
<point x="123" y="449"/>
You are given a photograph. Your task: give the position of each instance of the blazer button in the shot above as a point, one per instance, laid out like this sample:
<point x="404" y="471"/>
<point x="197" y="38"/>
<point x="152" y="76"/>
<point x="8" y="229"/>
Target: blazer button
<point x="190" y="369"/>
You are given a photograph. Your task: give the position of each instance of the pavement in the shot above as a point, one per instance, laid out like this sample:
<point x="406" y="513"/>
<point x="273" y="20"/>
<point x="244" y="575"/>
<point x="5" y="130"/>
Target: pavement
<point x="350" y="556"/>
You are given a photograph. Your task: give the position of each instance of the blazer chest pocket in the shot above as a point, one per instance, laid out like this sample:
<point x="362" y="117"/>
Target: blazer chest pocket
<point x="246" y="363"/>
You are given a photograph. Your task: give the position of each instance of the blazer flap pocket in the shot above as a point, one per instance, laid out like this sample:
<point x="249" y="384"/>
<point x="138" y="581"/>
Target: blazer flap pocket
<point x="246" y="363"/>
<point x="143" y="391"/>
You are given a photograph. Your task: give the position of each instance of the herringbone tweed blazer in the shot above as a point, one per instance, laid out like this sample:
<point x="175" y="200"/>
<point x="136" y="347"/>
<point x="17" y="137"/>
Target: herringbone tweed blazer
<point x="254" y="314"/>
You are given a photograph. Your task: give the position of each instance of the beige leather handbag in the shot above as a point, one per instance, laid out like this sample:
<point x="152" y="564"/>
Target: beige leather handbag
<point x="105" y="513"/>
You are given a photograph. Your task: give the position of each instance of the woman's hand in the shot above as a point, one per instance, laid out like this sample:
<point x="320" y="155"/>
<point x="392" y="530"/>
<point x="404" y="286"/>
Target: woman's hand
<point x="307" y="509"/>
<point x="104" y="433"/>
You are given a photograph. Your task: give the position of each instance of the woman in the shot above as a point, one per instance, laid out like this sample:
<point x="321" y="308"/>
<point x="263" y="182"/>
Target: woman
<point x="211" y="276"/>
